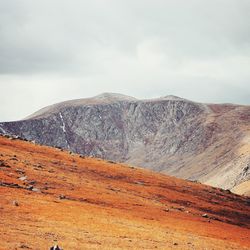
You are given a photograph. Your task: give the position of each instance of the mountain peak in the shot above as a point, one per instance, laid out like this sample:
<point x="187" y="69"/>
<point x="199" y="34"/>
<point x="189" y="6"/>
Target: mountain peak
<point x="172" y="97"/>
<point x="114" y="97"/>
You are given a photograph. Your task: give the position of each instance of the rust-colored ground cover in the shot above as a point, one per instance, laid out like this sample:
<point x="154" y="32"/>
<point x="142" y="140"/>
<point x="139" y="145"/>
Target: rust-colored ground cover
<point x="50" y="196"/>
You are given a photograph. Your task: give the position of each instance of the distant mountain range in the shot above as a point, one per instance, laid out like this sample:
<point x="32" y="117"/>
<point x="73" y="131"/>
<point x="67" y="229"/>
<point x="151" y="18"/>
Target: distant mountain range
<point x="209" y="143"/>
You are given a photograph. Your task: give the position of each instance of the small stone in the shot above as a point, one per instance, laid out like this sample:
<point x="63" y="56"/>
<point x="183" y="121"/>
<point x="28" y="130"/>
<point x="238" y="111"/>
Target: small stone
<point x="30" y="187"/>
<point x="61" y="197"/>
<point x="23" y="178"/>
<point x="140" y="183"/>
<point x="35" y="189"/>
<point x="24" y="246"/>
<point x="15" y="203"/>
<point x="56" y="247"/>
<point x="205" y="216"/>
<point x="20" y="171"/>
<point x="175" y="244"/>
<point x="13" y="159"/>
<point x="32" y="182"/>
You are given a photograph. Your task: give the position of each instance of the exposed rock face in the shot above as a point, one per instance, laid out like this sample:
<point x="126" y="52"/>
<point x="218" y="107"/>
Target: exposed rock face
<point x="209" y="143"/>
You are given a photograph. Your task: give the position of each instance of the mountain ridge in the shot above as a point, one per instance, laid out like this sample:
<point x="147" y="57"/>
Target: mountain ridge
<point x="203" y="142"/>
<point x="104" y="98"/>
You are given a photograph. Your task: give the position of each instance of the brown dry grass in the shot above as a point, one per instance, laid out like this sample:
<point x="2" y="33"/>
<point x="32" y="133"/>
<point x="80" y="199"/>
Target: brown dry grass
<point x="94" y="204"/>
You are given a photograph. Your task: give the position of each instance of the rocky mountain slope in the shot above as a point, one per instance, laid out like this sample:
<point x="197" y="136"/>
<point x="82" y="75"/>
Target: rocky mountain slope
<point x="49" y="196"/>
<point x="205" y="142"/>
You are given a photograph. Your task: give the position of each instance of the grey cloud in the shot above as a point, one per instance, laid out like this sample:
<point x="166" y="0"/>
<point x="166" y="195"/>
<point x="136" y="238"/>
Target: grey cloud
<point x="143" y="48"/>
<point x="53" y="35"/>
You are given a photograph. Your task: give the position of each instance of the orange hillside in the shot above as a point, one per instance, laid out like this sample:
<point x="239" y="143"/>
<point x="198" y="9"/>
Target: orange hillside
<point x="50" y="196"/>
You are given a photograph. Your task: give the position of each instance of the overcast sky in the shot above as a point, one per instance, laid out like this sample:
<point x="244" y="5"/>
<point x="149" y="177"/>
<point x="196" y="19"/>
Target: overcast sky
<point x="56" y="50"/>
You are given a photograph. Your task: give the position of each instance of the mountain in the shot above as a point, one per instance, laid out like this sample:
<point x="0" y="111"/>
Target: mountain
<point x="209" y="143"/>
<point x="243" y="188"/>
<point x="50" y="196"/>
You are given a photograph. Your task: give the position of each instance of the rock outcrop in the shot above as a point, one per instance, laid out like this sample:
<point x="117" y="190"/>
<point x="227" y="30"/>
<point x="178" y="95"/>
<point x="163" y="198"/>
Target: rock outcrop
<point x="205" y="142"/>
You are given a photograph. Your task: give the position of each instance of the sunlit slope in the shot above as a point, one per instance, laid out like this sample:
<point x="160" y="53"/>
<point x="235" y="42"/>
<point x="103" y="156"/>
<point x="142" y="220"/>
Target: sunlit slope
<point x="48" y="195"/>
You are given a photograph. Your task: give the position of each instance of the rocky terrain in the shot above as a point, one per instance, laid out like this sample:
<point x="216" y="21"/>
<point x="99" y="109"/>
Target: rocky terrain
<point x="209" y="143"/>
<point x="51" y="196"/>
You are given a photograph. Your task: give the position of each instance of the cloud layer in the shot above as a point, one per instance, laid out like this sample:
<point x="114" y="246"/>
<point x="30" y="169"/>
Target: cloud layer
<point x="57" y="50"/>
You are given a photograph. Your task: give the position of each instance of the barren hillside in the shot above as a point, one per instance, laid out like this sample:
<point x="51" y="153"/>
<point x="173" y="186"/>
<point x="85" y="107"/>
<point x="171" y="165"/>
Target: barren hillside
<point x="51" y="196"/>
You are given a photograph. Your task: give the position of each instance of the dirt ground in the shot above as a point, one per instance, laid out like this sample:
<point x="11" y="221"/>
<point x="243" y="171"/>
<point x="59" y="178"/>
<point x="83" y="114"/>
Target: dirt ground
<point x="49" y="196"/>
